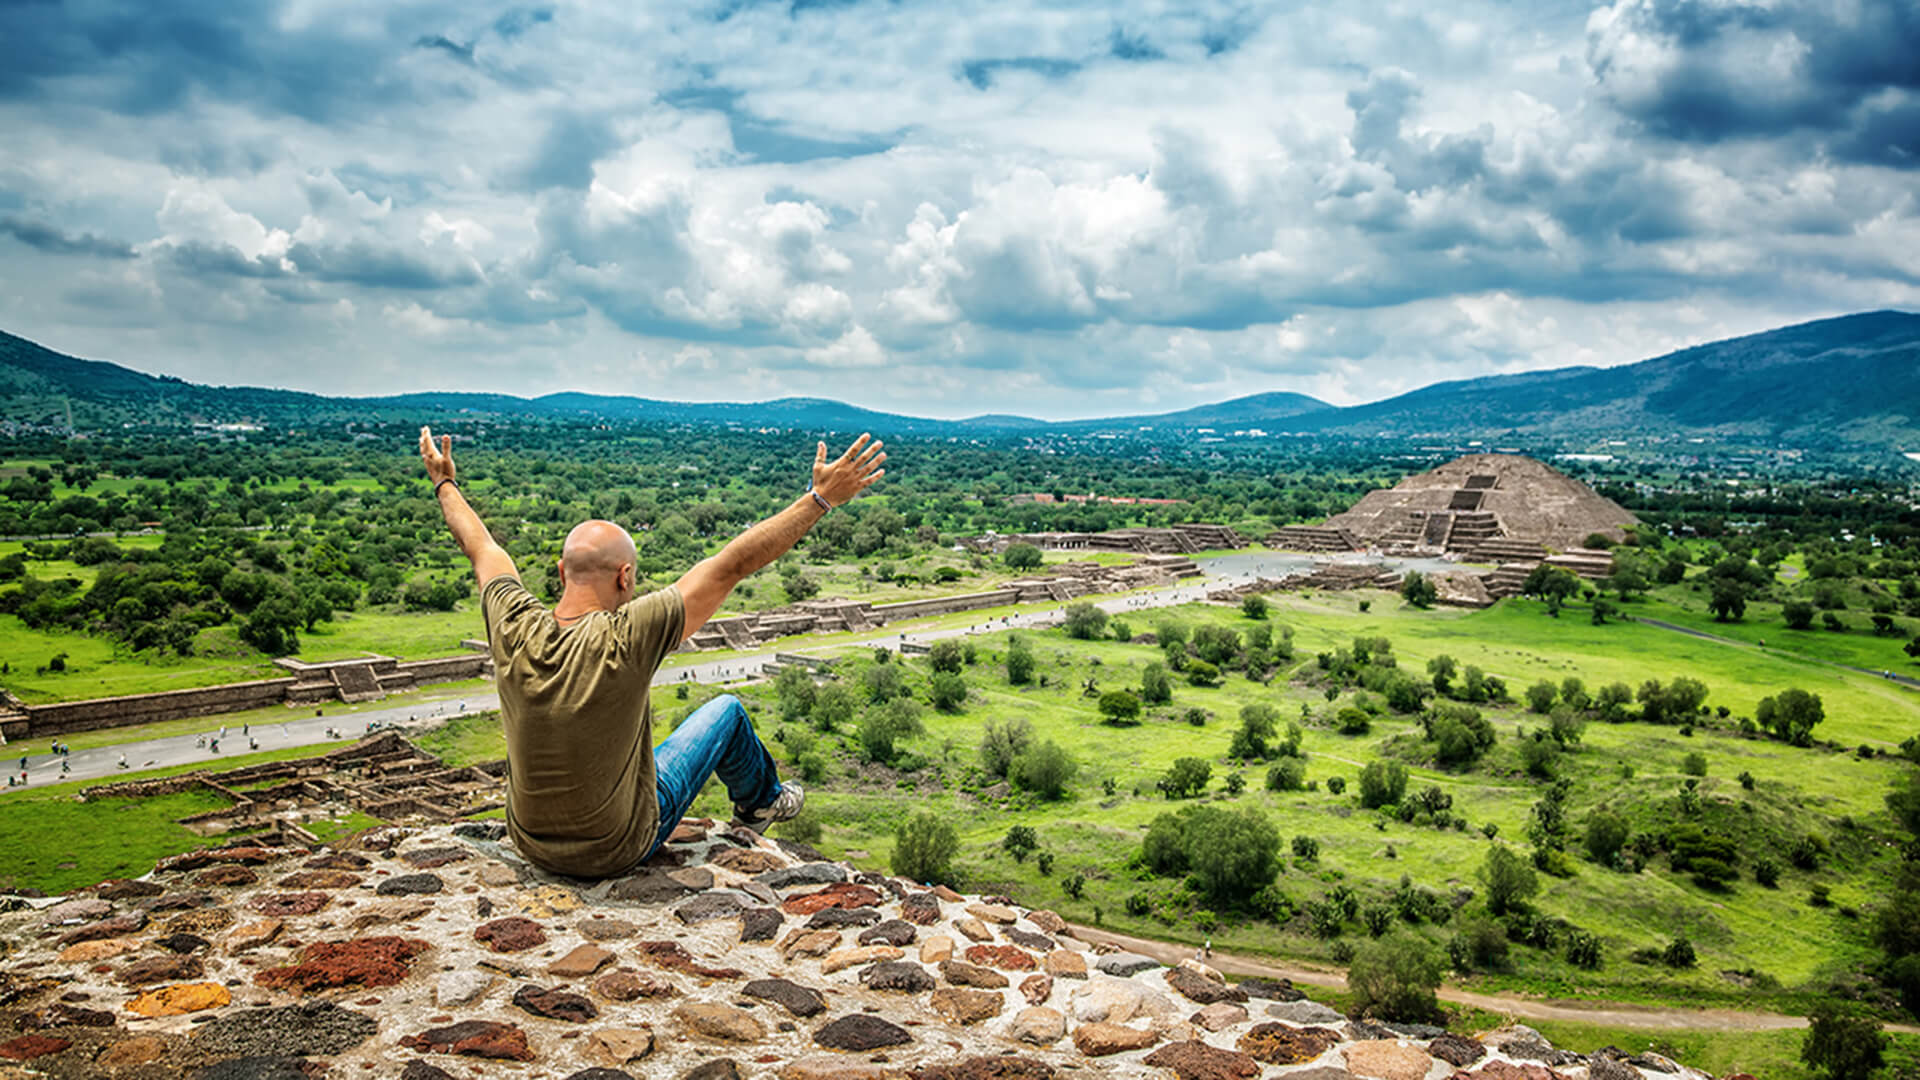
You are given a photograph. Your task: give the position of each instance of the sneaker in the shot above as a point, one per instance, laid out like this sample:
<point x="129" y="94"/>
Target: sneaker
<point x="786" y="806"/>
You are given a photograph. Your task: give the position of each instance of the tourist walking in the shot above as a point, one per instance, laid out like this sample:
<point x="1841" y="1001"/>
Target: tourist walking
<point x="588" y="794"/>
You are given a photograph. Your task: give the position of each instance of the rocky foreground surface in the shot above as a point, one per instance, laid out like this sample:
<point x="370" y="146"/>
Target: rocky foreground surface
<point x="425" y="954"/>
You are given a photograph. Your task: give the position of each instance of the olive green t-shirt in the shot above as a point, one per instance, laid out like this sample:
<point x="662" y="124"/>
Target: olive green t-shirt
<point x="573" y="701"/>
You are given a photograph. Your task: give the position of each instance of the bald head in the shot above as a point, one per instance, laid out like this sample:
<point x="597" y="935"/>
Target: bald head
<point x="596" y="552"/>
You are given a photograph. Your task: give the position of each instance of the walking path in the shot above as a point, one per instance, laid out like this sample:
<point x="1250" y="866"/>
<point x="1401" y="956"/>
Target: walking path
<point x="1891" y="676"/>
<point x="43" y="767"/>
<point x="1611" y="1014"/>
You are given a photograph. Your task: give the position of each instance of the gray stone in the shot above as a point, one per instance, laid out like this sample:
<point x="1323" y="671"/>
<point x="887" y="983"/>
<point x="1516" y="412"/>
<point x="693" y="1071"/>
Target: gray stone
<point x="861" y="1031"/>
<point x="760" y="892"/>
<point x="1271" y="989"/>
<point x="899" y="975"/>
<point x="1606" y="1068"/>
<point x="410" y="885"/>
<point x="259" y="1067"/>
<point x="649" y="886"/>
<point x="420" y="1070"/>
<point x="1304" y="1012"/>
<point x="896" y="932"/>
<point x="791" y="996"/>
<point x="1460" y="1051"/>
<point x="708" y="907"/>
<point x="760" y="924"/>
<point x="834" y="918"/>
<point x="309" y="1029"/>
<point x="1027" y="939"/>
<point x="814" y="873"/>
<point x="1125" y="963"/>
<point x="600" y="1072"/>
<point x="717" y="1069"/>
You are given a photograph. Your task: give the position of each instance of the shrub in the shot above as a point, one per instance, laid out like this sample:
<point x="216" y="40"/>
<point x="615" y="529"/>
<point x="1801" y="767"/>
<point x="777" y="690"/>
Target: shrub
<point x="1000" y="742"/>
<point x="1186" y="778"/>
<point x="1227" y="855"/>
<point x="1679" y="953"/>
<point x="1766" y="872"/>
<point x="1841" y="1046"/>
<point x="1508" y="879"/>
<point x="1606" y="834"/>
<point x="1236" y="783"/>
<point x="1791" y="715"/>
<point x="1074" y="885"/>
<point x="804" y="829"/>
<point x="1254" y="607"/>
<point x="1287" y="774"/>
<point x="1798" y="614"/>
<point x="1196" y="716"/>
<point x="1156" y="686"/>
<point x="1540" y="696"/>
<point x="1021" y="557"/>
<point x="1382" y="783"/>
<point x="1377" y="917"/>
<point x="947" y="655"/>
<point x="1306" y="847"/>
<point x="923" y="849"/>
<point x="1084" y="622"/>
<point x="1394" y="978"/>
<point x="1479" y="945"/>
<point x="1045" y="770"/>
<point x="1202" y="673"/>
<point x="1695" y="764"/>
<point x="1020" y="842"/>
<point x="832" y="707"/>
<point x="1019" y="662"/>
<point x="1120" y="707"/>
<point x="1353" y="721"/>
<point x="1419" y="590"/>
<point x="1583" y="949"/>
<point x="947" y="691"/>
<point x="796" y="690"/>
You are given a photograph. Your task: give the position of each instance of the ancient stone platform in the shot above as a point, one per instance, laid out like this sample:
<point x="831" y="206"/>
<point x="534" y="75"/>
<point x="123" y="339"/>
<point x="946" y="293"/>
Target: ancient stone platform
<point x="433" y="953"/>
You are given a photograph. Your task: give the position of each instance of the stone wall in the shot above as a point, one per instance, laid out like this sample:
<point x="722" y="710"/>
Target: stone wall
<point x="310" y="683"/>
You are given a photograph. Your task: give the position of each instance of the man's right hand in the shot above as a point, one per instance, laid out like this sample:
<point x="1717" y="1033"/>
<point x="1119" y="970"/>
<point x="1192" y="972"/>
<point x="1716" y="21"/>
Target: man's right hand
<point x="839" y="480"/>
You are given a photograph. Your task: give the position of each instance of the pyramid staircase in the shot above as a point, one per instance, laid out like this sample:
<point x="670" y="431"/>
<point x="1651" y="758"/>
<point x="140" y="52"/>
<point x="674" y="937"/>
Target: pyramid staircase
<point x="1507" y="579"/>
<point x="1312" y="538"/>
<point x="356" y="682"/>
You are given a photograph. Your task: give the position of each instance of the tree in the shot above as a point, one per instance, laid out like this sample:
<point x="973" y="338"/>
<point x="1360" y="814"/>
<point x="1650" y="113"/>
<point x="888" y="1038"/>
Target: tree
<point x="1084" y="622"/>
<point x="1419" y="590"/>
<point x="1394" y="978"/>
<point x="1552" y="584"/>
<point x="1021" y="557"/>
<point x="1797" y="614"/>
<point x="1000" y="742"/>
<point x="1842" y="1046"/>
<point x="1791" y="715"/>
<point x="1508" y="879"/>
<point x="1382" y="783"/>
<point x="1254" y="606"/>
<point x="833" y="707"/>
<point x="882" y="729"/>
<point x="1186" y="778"/>
<point x="1019" y="661"/>
<point x="1257" y="725"/>
<point x="1540" y="696"/>
<point x="1728" y="600"/>
<point x="1606" y="834"/>
<point x="1442" y="668"/>
<point x="884" y="683"/>
<point x="1353" y="720"/>
<point x="1287" y="774"/>
<point x="1045" y="770"/>
<point x="947" y="691"/>
<point x="947" y="655"/>
<point x="1227" y="855"/>
<point x="1120" y="707"/>
<point x="1156" y="686"/>
<point x="796" y="690"/>
<point x="923" y="849"/>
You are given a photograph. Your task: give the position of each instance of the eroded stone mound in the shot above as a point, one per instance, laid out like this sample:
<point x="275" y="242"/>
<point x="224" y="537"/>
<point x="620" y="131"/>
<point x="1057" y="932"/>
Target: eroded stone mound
<point x="730" y="959"/>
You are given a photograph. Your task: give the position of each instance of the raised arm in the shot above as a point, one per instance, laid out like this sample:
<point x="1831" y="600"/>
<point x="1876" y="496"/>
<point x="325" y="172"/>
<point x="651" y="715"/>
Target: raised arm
<point x="705" y="587"/>
<point x="489" y="559"/>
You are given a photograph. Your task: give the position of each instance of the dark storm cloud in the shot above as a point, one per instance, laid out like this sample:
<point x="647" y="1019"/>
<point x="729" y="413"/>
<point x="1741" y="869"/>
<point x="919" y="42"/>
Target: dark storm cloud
<point x="445" y="44"/>
<point x="43" y="237"/>
<point x="1847" y="76"/>
<point x="361" y="263"/>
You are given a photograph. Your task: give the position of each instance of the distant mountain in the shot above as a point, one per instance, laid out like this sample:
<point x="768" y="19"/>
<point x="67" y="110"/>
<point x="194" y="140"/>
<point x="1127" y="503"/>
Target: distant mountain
<point x="1854" y="379"/>
<point x="1850" y="381"/>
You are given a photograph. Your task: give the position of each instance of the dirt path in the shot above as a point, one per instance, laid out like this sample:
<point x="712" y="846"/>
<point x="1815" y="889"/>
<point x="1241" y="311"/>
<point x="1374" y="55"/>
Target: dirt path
<point x="1514" y="1006"/>
<point x="1903" y="680"/>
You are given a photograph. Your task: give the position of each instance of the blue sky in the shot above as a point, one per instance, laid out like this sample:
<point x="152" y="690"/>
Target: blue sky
<point x="1055" y="209"/>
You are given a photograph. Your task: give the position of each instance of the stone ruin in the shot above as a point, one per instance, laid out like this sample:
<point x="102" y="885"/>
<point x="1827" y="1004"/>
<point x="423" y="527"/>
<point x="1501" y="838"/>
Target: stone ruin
<point x="383" y="776"/>
<point x="1186" y="539"/>
<point x="435" y="953"/>
<point x="1067" y="581"/>
<point x="1483" y="508"/>
<point x="1504" y="509"/>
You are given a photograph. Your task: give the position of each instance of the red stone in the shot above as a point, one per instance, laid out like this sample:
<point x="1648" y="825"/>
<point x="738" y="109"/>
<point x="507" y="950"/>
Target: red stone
<point x="118" y="926"/>
<point x="320" y="879"/>
<point x="510" y="935"/>
<point x="474" y="1038"/>
<point x="1198" y="1061"/>
<point x="28" y="1047"/>
<point x="838" y="895"/>
<point x="1004" y="957"/>
<point x="226" y="875"/>
<point x="670" y="955"/>
<point x="365" y="962"/>
<point x="1505" y="1070"/>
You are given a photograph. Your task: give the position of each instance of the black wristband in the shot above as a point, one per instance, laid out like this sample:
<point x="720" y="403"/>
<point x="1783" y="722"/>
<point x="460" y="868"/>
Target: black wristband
<point x="441" y="484"/>
<point x="825" y="506"/>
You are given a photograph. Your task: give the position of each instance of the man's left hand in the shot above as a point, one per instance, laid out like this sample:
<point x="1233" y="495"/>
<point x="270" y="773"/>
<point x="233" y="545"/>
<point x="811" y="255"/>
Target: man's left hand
<point x="438" y="459"/>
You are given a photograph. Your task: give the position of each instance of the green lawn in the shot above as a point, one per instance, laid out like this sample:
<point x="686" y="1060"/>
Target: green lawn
<point x="1857" y="646"/>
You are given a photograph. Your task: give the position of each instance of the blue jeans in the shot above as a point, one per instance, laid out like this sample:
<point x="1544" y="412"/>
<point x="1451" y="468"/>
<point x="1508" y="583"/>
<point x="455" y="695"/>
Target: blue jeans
<point x="717" y="739"/>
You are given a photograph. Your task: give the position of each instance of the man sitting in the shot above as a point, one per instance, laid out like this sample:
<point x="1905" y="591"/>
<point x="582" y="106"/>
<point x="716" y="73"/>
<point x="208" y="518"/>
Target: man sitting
<point x="588" y="794"/>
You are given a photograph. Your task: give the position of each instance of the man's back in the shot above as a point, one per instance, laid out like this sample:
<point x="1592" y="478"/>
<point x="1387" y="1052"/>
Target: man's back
<point x="573" y="701"/>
